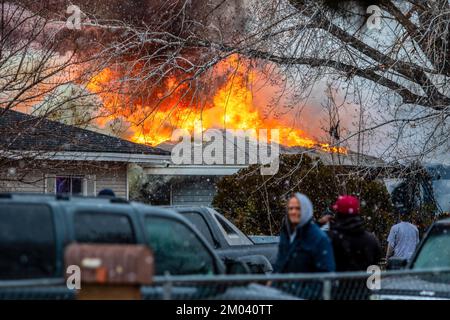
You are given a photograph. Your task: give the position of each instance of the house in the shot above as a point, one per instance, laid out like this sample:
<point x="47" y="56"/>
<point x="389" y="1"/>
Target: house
<point x="40" y="155"/>
<point x="195" y="184"/>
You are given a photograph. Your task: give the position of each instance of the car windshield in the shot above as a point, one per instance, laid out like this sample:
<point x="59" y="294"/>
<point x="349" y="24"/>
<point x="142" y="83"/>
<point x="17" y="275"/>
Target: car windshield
<point x="435" y="251"/>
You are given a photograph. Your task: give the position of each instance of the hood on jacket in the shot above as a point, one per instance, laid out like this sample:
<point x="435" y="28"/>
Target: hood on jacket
<point x="348" y="224"/>
<point x="306" y="211"/>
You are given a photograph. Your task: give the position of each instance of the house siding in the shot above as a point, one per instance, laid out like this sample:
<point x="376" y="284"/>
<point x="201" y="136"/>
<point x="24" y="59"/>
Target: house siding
<point x="196" y="193"/>
<point x="114" y="179"/>
<point x="32" y="182"/>
<point x="107" y="176"/>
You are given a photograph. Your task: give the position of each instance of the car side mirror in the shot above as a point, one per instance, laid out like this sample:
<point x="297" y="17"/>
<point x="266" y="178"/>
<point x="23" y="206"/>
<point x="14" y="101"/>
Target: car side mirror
<point x="395" y="263"/>
<point x="236" y="267"/>
<point x="257" y="264"/>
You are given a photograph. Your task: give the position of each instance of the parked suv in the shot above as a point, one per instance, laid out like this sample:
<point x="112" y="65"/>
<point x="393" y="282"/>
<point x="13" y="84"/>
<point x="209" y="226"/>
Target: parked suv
<point x="35" y="229"/>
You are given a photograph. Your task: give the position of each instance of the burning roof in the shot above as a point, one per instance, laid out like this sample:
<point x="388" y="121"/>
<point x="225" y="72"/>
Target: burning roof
<point x="224" y="100"/>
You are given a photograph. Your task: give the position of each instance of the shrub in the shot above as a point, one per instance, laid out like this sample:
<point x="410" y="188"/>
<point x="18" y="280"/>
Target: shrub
<point x="256" y="203"/>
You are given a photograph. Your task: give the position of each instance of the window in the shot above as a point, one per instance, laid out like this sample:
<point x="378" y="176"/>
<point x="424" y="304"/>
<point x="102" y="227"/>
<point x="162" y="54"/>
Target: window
<point x="232" y="234"/>
<point x="177" y="249"/>
<point x="27" y="241"/>
<point x="69" y="185"/>
<point x="99" y="227"/>
<point x="435" y="252"/>
<point x="199" y="222"/>
<point x="227" y="228"/>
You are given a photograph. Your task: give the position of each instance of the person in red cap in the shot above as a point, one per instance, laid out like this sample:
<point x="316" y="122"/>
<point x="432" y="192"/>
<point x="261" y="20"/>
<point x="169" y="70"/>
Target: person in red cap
<point x="354" y="248"/>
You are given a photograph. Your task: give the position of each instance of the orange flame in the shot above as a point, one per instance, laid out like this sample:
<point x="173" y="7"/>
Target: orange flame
<point x="231" y="106"/>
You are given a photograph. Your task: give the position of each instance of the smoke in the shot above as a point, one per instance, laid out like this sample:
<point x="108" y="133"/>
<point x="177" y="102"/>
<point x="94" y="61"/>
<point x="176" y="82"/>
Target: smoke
<point x="140" y="84"/>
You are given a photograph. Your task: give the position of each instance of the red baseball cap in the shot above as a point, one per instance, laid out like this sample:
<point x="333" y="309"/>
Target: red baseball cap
<point x="346" y="205"/>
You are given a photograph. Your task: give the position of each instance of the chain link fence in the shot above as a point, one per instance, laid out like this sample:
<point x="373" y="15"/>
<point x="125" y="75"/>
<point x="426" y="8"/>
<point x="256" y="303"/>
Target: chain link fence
<point x="424" y="284"/>
<point x="403" y="284"/>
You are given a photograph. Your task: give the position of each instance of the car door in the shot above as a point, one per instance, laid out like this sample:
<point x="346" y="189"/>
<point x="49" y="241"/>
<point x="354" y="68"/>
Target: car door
<point x="200" y="223"/>
<point x="31" y="251"/>
<point x="178" y="250"/>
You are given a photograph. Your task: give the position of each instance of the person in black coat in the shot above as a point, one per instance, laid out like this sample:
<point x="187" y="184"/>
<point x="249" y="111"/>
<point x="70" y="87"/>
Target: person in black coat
<point x="354" y="248"/>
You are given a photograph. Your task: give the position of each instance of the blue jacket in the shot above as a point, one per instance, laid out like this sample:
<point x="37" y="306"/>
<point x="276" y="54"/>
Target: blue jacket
<point x="310" y="250"/>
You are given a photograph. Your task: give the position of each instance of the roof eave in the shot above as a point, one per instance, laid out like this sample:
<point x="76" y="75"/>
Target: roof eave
<point x="87" y="156"/>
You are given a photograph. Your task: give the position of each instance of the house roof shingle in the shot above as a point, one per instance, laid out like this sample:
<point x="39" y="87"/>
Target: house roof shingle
<point x="24" y="132"/>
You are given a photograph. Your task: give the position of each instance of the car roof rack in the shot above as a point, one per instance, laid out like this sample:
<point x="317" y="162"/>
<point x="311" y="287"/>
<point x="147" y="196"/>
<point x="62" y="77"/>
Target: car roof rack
<point x="5" y="195"/>
<point x="62" y="197"/>
<point x="118" y="200"/>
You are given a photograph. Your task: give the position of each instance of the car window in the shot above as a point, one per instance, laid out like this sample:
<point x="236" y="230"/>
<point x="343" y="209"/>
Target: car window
<point x="226" y="227"/>
<point x="27" y="241"/>
<point x="199" y="222"/>
<point x="233" y="235"/>
<point x="99" y="227"/>
<point x="176" y="248"/>
<point x="435" y="251"/>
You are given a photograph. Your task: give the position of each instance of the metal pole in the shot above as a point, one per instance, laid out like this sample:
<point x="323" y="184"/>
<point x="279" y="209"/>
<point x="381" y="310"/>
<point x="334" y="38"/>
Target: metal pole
<point x="167" y="287"/>
<point x="326" y="290"/>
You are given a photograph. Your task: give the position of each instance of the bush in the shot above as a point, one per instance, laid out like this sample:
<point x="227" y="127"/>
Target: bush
<point x="256" y="203"/>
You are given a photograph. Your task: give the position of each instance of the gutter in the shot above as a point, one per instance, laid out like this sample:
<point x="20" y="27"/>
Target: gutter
<point x="88" y="156"/>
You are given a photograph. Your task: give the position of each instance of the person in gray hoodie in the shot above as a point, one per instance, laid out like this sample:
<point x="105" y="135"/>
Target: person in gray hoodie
<point x="303" y="247"/>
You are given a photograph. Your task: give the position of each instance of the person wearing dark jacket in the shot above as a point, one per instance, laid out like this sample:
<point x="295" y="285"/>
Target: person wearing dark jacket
<point x="354" y="248"/>
<point x="303" y="247"/>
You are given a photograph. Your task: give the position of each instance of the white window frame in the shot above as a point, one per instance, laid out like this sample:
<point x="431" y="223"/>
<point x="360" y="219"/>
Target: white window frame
<point x="85" y="179"/>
